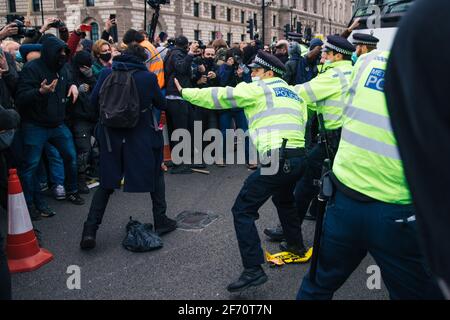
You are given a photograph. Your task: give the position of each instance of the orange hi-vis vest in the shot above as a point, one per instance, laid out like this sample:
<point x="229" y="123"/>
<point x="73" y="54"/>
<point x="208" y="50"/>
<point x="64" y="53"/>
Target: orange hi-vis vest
<point x="154" y="63"/>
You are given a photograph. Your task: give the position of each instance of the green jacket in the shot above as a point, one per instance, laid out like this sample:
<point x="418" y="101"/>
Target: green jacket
<point x="368" y="160"/>
<point x="326" y="92"/>
<point x="273" y="110"/>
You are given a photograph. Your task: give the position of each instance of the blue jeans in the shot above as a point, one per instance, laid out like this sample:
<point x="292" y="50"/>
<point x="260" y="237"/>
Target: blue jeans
<point x="351" y="230"/>
<point x="55" y="167"/>
<point x="240" y="119"/>
<point x="34" y="140"/>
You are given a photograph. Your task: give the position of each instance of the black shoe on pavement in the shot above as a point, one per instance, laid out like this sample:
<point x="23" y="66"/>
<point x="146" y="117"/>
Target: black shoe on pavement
<point x="82" y="185"/>
<point x="88" y="238"/>
<point x="181" y="169"/>
<point x="166" y="226"/>
<point x="75" y="198"/>
<point x="46" y="212"/>
<point x="298" y="251"/>
<point x="275" y="234"/>
<point x="250" y="277"/>
<point x="34" y="214"/>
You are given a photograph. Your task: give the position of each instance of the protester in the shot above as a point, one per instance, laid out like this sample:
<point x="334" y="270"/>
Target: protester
<point x="281" y="51"/>
<point x="134" y="153"/>
<point x="44" y="86"/>
<point x="102" y="53"/>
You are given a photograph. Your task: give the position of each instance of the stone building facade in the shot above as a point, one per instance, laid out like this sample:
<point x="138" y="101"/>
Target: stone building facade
<point x="196" y="19"/>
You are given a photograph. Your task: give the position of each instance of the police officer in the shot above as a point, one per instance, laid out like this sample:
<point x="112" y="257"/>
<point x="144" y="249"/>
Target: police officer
<point x="371" y="210"/>
<point x="275" y="112"/>
<point x="364" y="43"/>
<point x="325" y="95"/>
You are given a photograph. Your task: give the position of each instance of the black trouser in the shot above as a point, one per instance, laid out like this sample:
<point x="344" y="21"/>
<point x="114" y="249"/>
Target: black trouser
<point x="101" y="198"/>
<point x="209" y="120"/>
<point x="5" y="278"/>
<point x="82" y="132"/>
<point x="179" y="116"/>
<point x="257" y="189"/>
<point x="305" y="190"/>
<point x="3" y="181"/>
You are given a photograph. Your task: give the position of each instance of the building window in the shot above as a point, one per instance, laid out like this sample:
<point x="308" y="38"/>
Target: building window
<point x="242" y="16"/>
<point x="305" y="5"/>
<point x="12" y="5"/>
<point x="196" y="35"/>
<point x="274" y="21"/>
<point x="242" y="37"/>
<point x="255" y="21"/>
<point x="229" y="38"/>
<point x="94" y="31"/>
<point x="228" y="14"/>
<point x="196" y="9"/>
<point x="213" y="12"/>
<point x="213" y="35"/>
<point x="36" y="6"/>
<point x="90" y="3"/>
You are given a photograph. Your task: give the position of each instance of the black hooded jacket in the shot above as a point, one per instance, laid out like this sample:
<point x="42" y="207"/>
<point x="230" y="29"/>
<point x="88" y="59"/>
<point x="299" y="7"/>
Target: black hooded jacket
<point x="48" y="110"/>
<point x="178" y="65"/>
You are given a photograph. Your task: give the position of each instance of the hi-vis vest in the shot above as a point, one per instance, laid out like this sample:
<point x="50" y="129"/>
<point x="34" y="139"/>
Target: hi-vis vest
<point x="326" y="93"/>
<point x="273" y="110"/>
<point x="368" y="160"/>
<point x="155" y="63"/>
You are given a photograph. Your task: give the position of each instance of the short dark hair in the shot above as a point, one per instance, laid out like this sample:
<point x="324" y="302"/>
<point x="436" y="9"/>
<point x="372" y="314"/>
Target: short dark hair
<point x="132" y="36"/>
<point x="181" y="41"/>
<point x="137" y="51"/>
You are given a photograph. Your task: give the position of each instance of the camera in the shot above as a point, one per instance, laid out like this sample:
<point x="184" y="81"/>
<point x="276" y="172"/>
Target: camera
<point x="22" y="30"/>
<point x="156" y="3"/>
<point x="201" y="45"/>
<point x="57" y="24"/>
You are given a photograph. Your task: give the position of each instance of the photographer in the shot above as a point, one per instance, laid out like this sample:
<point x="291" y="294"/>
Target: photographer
<point x="205" y="76"/>
<point x="179" y="112"/>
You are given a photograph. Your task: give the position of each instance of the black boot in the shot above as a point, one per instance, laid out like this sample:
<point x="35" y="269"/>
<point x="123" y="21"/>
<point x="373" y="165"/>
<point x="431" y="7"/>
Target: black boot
<point x="297" y="250"/>
<point x="165" y="225"/>
<point x="88" y="237"/>
<point x="275" y="234"/>
<point x="250" y="277"/>
<point x="82" y="186"/>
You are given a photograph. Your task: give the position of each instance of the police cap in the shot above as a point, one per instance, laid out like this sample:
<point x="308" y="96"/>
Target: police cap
<point x="268" y="61"/>
<point x="365" y="39"/>
<point x="339" y="44"/>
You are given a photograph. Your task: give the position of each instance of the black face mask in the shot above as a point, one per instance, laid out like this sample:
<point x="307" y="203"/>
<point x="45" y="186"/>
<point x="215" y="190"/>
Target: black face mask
<point x="62" y="59"/>
<point x="209" y="62"/>
<point x="105" y="57"/>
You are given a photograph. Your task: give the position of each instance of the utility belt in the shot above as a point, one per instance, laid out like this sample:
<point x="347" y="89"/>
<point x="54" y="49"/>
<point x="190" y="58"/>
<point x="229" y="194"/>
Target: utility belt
<point x="329" y="135"/>
<point x="289" y="153"/>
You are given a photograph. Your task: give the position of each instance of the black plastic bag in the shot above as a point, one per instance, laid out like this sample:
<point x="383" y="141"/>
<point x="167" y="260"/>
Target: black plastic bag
<point x="140" y="237"/>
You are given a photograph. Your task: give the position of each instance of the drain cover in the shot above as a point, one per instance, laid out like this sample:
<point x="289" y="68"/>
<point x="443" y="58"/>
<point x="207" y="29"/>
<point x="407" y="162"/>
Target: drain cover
<point x="195" y="220"/>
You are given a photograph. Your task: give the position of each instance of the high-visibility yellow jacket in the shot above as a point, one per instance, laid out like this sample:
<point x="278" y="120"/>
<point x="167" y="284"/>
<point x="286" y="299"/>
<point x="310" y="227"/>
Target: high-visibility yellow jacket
<point x="273" y="110"/>
<point x="326" y="92"/>
<point x="368" y="160"/>
<point x="154" y="63"/>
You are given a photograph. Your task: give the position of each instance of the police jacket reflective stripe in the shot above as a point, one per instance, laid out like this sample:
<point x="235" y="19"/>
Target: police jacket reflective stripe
<point x="273" y="109"/>
<point x="326" y="93"/>
<point x="368" y="160"/>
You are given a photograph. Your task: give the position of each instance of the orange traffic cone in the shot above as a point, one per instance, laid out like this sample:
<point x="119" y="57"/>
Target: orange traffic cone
<point x="163" y="121"/>
<point x="22" y="247"/>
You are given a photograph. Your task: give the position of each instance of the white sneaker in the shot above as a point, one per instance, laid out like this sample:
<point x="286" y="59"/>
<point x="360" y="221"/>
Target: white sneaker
<point x="59" y="192"/>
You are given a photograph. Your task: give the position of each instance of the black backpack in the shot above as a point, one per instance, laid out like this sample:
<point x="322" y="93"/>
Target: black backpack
<point x="119" y="100"/>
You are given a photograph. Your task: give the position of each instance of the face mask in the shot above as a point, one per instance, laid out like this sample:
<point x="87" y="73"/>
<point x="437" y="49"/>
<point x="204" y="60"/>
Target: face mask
<point x="87" y="72"/>
<point x="209" y="61"/>
<point x="354" y="57"/>
<point x="18" y="57"/>
<point x="255" y="79"/>
<point x="62" y="59"/>
<point x="105" y="57"/>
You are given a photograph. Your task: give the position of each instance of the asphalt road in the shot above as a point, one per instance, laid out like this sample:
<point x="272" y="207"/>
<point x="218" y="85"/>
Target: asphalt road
<point x="191" y="265"/>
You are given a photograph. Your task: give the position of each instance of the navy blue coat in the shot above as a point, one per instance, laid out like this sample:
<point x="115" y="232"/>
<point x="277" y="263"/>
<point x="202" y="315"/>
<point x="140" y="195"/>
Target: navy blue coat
<point x="137" y="153"/>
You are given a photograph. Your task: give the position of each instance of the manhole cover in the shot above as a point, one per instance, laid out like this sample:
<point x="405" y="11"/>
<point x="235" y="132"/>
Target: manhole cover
<point x="195" y="220"/>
